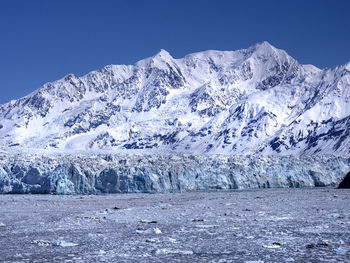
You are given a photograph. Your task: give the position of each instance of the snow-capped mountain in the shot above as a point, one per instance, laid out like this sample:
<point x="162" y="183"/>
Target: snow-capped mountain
<point x="255" y="100"/>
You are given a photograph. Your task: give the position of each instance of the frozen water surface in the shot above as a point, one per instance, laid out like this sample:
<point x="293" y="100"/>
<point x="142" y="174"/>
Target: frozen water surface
<point x="259" y="225"/>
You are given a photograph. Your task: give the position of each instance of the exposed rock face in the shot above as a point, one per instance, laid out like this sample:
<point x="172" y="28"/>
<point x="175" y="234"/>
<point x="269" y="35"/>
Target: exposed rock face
<point x="346" y="182"/>
<point x="103" y="173"/>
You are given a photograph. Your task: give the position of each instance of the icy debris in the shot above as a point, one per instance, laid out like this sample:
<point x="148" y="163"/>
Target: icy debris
<point x="103" y="212"/>
<point x="172" y="240"/>
<point x="2" y="224"/>
<point x="279" y="218"/>
<point x="152" y="240"/>
<point x="273" y="245"/>
<point x="197" y="220"/>
<point x="42" y="242"/>
<point x="340" y="250"/>
<point x="206" y="226"/>
<point x="341" y="242"/>
<point x="62" y="243"/>
<point x="93" y="235"/>
<point x="162" y="205"/>
<point x="334" y="215"/>
<point x="148" y="231"/>
<point x="254" y="261"/>
<point x="165" y="251"/>
<point x="289" y="259"/>
<point x="146" y="221"/>
<point x="314" y="229"/>
<point x="320" y="244"/>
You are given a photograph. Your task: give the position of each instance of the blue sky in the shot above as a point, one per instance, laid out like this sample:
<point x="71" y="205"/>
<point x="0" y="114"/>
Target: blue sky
<point x="42" y="41"/>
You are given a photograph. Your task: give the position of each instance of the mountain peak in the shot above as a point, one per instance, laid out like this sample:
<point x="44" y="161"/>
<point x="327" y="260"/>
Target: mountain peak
<point x="263" y="47"/>
<point x="265" y="44"/>
<point x="347" y="66"/>
<point x="267" y="51"/>
<point x="163" y="54"/>
<point x="159" y="60"/>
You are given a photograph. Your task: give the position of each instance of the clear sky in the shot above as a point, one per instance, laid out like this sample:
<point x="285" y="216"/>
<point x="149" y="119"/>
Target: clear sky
<point x="42" y="41"/>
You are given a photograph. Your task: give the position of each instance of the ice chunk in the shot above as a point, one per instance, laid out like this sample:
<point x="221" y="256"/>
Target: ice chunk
<point x="165" y="251"/>
<point x="148" y="231"/>
<point x="62" y="243"/>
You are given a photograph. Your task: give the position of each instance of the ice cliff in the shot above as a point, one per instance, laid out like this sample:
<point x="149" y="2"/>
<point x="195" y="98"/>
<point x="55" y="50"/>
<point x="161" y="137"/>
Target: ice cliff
<point x="106" y="173"/>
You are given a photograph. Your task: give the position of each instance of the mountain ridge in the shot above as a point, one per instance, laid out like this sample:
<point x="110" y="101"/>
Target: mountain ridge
<point x="257" y="100"/>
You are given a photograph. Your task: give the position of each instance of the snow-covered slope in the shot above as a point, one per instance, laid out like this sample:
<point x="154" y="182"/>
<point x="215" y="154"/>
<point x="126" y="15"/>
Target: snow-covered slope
<point x="256" y="100"/>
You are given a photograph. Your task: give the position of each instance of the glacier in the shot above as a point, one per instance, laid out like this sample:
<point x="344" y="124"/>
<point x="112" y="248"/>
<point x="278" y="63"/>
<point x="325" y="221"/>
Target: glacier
<point x="250" y="118"/>
<point x="116" y="173"/>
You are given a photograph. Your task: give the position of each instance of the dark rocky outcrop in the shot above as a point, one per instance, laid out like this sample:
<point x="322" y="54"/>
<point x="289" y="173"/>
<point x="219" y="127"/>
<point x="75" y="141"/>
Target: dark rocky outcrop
<point x="346" y="182"/>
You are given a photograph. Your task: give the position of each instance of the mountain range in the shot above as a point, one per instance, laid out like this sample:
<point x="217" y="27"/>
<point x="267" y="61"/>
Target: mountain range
<point x="257" y="100"/>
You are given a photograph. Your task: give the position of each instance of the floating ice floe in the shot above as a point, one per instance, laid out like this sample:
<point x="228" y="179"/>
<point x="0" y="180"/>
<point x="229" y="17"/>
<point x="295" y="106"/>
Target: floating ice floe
<point x="42" y="242"/>
<point x="148" y="231"/>
<point x="164" y="251"/>
<point x="289" y="260"/>
<point x="273" y="245"/>
<point x="340" y="250"/>
<point x="162" y="205"/>
<point x="63" y="243"/>
<point x="206" y="226"/>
